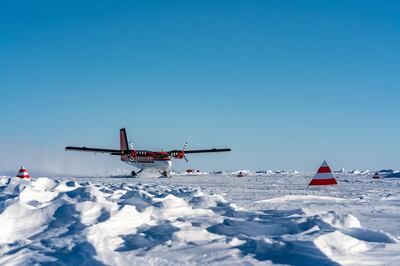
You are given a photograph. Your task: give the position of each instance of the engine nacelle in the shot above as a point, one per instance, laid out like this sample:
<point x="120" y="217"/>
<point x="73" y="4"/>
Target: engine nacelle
<point x="180" y="155"/>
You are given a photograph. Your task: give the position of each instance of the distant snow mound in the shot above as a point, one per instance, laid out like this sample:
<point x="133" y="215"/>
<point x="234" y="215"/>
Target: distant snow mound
<point x="355" y="172"/>
<point x="386" y="171"/>
<point x="393" y="175"/>
<point x="389" y="173"/>
<point x="190" y="173"/>
<point x="265" y="172"/>
<point x="359" y="172"/>
<point x="243" y="172"/>
<point x="342" y="170"/>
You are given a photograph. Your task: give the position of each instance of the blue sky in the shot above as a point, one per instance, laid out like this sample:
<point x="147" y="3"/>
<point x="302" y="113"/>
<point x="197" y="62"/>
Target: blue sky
<point x="285" y="84"/>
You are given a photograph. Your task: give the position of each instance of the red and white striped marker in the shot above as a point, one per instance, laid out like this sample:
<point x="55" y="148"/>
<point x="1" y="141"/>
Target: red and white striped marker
<point x="376" y="176"/>
<point x="323" y="177"/>
<point x="23" y="173"/>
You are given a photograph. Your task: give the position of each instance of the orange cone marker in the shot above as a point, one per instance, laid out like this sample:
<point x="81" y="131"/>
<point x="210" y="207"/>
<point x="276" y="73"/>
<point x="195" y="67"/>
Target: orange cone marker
<point x="323" y="177"/>
<point x="23" y="173"/>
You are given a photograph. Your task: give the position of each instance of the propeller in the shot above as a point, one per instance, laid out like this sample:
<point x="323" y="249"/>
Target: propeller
<point x="184" y="146"/>
<point x="183" y="150"/>
<point x="131" y="146"/>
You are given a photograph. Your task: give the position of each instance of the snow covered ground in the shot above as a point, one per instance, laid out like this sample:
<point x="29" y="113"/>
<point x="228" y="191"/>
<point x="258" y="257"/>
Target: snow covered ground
<point x="209" y="219"/>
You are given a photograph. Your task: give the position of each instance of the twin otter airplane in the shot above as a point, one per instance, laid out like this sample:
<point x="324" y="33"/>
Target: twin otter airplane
<point x="142" y="159"/>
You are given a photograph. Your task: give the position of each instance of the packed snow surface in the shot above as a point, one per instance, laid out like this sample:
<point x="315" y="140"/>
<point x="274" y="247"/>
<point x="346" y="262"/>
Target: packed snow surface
<point x="209" y="219"/>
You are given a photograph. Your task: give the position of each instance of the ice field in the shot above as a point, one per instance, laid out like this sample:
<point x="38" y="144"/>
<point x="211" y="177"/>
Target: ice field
<point x="207" y="219"/>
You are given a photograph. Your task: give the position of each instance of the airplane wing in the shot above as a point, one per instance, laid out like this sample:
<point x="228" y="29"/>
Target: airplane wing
<point x="206" y="151"/>
<point x="172" y="153"/>
<point x="110" y="151"/>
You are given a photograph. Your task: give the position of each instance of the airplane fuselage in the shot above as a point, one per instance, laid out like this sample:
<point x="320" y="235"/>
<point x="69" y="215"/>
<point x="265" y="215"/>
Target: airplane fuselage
<point x="148" y="160"/>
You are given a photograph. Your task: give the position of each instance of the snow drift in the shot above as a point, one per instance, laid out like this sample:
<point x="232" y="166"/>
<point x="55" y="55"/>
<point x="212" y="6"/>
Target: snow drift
<point x="67" y="222"/>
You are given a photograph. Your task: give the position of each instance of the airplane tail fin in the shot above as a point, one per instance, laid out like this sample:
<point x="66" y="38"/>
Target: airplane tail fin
<point x="123" y="143"/>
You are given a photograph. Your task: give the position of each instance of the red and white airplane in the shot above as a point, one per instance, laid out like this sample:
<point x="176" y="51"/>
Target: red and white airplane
<point x="145" y="160"/>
